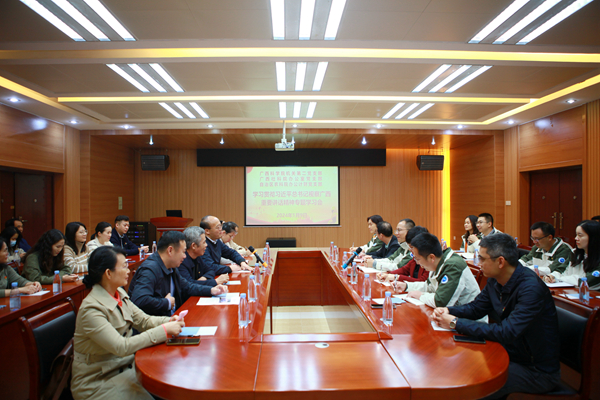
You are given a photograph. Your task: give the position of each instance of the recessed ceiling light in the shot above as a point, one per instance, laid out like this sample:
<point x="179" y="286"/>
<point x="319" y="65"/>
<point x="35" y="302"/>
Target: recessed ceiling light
<point x="320" y="75"/>
<point x="53" y="19"/>
<point x="170" y="109"/>
<point x="199" y="110"/>
<point x="110" y="19"/>
<point x="300" y="74"/>
<point x="433" y="141"/>
<point x="297" y="105"/>
<point x="364" y="141"/>
<point x="532" y="16"/>
<point x="510" y="121"/>
<point x="335" y="17"/>
<point x="571" y="9"/>
<point x="210" y="125"/>
<point x="163" y="74"/>
<point x="311" y="109"/>
<point x="499" y="20"/>
<point x="392" y="111"/>
<point x="278" y="19"/>
<point x="378" y="126"/>
<point x="460" y="127"/>
<point x="151" y="142"/>
<point x="13" y="100"/>
<point x="126" y="126"/>
<point x="449" y="78"/>
<point x="571" y="101"/>
<point x="280" y="73"/>
<point x="127" y="77"/>
<point x="73" y="121"/>
<point x="431" y="77"/>
<point x="294" y="125"/>
<point x="222" y="141"/>
<point x="147" y="77"/>
<point x="307" y="10"/>
<point x="185" y="110"/>
<point x="83" y="21"/>
<point x="282" y="109"/>
<point x="407" y="110"/>
<point x="469" y="78"/>
<point x="421" y="110"/>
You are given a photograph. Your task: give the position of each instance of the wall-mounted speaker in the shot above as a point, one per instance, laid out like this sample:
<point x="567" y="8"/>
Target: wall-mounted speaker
<point x="158" y="162"/>
<point x="430" y="163"/>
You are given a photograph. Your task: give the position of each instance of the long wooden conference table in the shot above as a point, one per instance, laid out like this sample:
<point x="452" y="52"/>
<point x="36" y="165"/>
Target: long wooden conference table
<point x="409" y="360"/>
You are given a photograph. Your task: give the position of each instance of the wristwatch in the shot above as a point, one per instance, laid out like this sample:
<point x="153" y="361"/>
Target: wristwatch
<point x="453" y="323"/>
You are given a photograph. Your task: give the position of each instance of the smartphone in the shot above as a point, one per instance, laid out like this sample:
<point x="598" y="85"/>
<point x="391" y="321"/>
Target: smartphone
<point x="375" y="305"/>
<point x="468" y="339"/>
<point x="190" y="341"/>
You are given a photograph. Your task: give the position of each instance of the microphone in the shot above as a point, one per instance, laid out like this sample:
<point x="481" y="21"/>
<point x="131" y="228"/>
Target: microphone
<point x="264" y="264"/>
<point x="357" y="252"/>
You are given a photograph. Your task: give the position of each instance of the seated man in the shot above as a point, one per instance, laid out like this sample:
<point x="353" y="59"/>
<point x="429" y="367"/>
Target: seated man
<point x="119" y="236"/>
<point x="390" y="242"/>
<point x="522" y="306"/>
<point x="450" y="280"/>
<point x="485" y="224"/>
<point x="216" y="249"/>
<point x="374" y="244"/>
<point x="157" y="288"/>
<point x="17" y="223"/>
<point x="548" y="253"/>
<point x="411" y="271"/>
<point x="192" y="265"/>
<point x="401" y="256"/>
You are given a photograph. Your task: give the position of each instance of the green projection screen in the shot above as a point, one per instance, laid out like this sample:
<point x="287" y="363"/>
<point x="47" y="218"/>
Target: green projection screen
<point x="292" y="196"/>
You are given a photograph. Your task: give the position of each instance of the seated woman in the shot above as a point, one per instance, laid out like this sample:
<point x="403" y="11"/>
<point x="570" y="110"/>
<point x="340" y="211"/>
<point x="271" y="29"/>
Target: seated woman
<point x="471" y="235"/>
<point x="11" y="236"/>
<point x="585" y="260"/>
<point x="231" y="229"/>
<point x="374" y="244"/>
<point x="101" y="237"/>
<point x="411" y="272"/>
<point x="104" y="367"/>
<point x="8" y="276"/>
<point x="46" y="257"/>
<point x="76" y="253"/>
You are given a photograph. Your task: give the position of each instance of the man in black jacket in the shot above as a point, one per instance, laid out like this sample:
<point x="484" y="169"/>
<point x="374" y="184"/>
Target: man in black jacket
<point x="527" y="322"/>
<point x="217" y="249"/>
<point x="157" y="288"/>
<point x="192" y="268"/>
<point x="390" y="241"/>
<point x="119" y="236"/>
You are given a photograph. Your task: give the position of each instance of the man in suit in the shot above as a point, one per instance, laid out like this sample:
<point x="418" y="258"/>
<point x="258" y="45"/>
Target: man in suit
<point x="157" y="288"/>
<point x="217" y="249"/>
<point x="192" y="268"/>
<point x="119" y="236"/>
<point x="402" y="255"/>
<point x="390" y="242"/>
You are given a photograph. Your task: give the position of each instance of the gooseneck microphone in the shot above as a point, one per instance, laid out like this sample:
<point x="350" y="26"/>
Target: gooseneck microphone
<point x="357" y="252"/>
<point x="260" y="261"/>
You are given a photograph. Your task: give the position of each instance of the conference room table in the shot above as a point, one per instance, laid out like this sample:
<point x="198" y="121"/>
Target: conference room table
<point x="409" y="360"/>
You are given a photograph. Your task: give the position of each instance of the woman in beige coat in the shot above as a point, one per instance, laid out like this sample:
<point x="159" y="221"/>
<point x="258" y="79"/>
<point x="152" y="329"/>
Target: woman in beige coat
<point x="103" y="367"/>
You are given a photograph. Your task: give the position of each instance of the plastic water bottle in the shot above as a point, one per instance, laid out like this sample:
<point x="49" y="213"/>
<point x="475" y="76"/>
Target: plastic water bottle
<point x="331" y="250"/>
<point x="516" y="240"/>
<point x="354" y="276"/>
<point x="56" y="283"/>
<point x="154" y="247"/>
<point x="345" y="258"/>
<point x="388" y="309"/>
<point x="15" y="297"/>
<point x="265" y="256"/>
<point x="336" y="257"/>
<point x="443" y="243"/>
<point x="141" y="251"/>
<point x="258" y="278"/>
<point x="243" y="311"/>
<point x="584" y="291"/>
<point x="252" y="296"/>
<point x="268" y="260"/>
<point x="537" y="270"/>
<point x="367" y="288"/>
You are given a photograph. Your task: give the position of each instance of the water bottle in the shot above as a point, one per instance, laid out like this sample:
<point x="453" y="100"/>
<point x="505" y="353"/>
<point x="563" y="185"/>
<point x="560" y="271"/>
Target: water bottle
<point x="265" y="256"/>
<point x="15" y="297"/>
<point x="154" y="247"/>
<point x="476" y="256"/>
<point x="331" y="250"/>
<point x="584" y="291"/>
<point x="335" y="254"/>
<point x="243" y="311"/>
<point x="367" y="288"/>
<point x="345" y="257"/>
<point x="516" y="240"/>
<point x="141" y="251"/>
<point x="258" y="278"/>
<point x="388" y="309"/>
<point x="443" y="244"/>
<point x="354" y="272"/>
<point x="17" y="257"/>
<point x="268" y="260"/>
<point x="537" y="270"/>
<point x="252" y="289"/>
<point x="56" y="283"/>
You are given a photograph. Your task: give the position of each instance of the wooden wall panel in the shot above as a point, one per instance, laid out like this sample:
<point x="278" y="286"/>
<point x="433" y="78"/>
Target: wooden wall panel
<point x="71" y="185"/>
<point x="396" y="191"/>
<point x="553" y="142"/>
<point x="511" y="179"/>
<point x="85" y="179"/>
<point x="30" y="142"/>
<point x="591" y="166"/>
<point x="499" y="200"/>
<point x="111" y="176"/>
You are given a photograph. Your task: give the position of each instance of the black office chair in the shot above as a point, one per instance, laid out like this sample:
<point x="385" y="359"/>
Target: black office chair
<point x="48" y="338"/>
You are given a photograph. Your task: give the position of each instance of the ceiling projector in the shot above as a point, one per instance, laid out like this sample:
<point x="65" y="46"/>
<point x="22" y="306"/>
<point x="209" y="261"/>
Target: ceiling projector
<point x="285" y="145"/>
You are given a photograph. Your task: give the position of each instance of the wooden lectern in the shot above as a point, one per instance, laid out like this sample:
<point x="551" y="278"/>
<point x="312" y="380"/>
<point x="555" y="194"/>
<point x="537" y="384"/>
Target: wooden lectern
<point x="164" y="224"/>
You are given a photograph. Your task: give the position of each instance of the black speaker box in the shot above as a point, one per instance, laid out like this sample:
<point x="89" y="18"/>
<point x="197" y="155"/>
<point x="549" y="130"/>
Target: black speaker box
<point x="155" y="162"/>
<point x="282" y="242"/>
<point x="430" y="163"/>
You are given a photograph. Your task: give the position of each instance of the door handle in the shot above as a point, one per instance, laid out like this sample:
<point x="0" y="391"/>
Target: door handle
<point x="554" y="220"/>
<point x="561" y="220"/>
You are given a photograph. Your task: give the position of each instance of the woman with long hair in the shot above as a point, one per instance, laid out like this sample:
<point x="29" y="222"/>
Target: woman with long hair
<point x="374" y="244"/>
<point x="46" y="257"/>
<point x="103" y="367"/>
<point x="12" y="237"/>
<point x="101" y="237"/>
<point x="8" y="276"/>
<point x="471" y="235"/>
<point x="585" y="260"/>
<point x="76" y="253"/>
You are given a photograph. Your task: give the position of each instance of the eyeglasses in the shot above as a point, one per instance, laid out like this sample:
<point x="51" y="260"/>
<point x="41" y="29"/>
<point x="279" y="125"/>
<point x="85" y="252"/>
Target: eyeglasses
<point x="482" y="259"/>
<point x="537" y="239"/>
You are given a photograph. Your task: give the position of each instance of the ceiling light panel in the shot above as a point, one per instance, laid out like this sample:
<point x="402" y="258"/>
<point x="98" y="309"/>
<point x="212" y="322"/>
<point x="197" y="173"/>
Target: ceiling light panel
<point x="166" y="77"/>
<point x="140" y="75"/>
<point x="499" y="20"/>
<point x="431" y="77"/>
<point x="300" y="75"/>
<point x="280" y="73"/>
<point x="185" y="110"/>
<point x="296" y="113"/>
<point x="311" y="109"/>
<point x="307" y="10"/>
<point x="532" y="16"/>
<point x="147" y="77"/>
<point x="335" y="18"/>
<point x="282" y="110"/>
<point x="127" y="77"/>
<point x="393" y="111"/>
<point x="320" y="76"/>
<point x="278" y="19"/>
<point x="407" y="110"/>
<point x="81" y="20"/>
<point x="313" y="20"/>
<point x="199" y="110"/>
<point x="449" y="78"/>
<point x="446" y="74"/>
<point x="170" y="109"/>
<point x="421" y="110"/>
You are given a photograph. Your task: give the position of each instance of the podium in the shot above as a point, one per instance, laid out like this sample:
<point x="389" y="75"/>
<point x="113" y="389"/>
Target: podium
<point x="164" y="224"/>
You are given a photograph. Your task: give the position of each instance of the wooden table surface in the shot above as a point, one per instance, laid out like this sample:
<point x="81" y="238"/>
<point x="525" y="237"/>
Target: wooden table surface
<point x="407" y="361"/>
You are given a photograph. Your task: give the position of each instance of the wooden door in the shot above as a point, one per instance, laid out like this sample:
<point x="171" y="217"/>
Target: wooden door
<point x="7" y="196"/>
<point x="555" y="197"/>
<point x="33" y="204"/>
